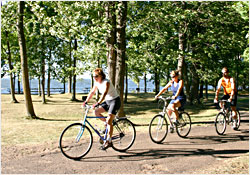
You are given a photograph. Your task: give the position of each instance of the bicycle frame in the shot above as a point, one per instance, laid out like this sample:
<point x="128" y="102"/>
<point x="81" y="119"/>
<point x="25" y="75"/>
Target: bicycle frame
<point x="226" y="107"/>
<point x="164" y="111"/>
<point x="96" y="131"/>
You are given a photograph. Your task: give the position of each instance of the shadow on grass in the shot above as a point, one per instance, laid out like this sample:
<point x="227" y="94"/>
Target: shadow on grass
<point x="58" y="120"/>
<point x="143" y="103"/>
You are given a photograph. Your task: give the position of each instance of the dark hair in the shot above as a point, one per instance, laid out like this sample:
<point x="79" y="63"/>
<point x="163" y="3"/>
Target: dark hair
<point x="176" y="72"/>
<point x="226" y="69"/>
<point x="100" y="72"/>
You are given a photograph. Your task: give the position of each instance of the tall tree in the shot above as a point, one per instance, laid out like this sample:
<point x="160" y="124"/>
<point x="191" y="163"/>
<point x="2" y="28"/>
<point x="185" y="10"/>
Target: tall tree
<point x="121" y="42"/>
<point x="24" y="60"/>
<point x="12" y="86"/>
<point x="74" y="74"/>
<point x="111" y="41"/>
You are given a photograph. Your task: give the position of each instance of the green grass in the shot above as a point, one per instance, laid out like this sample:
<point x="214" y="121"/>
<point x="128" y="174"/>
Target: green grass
<point x="60" y="112"/>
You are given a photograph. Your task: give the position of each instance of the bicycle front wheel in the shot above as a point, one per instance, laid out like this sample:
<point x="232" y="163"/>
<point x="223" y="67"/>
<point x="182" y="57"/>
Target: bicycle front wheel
<point x="158" y="129"/>
<point x="184" y="126"/>
<point x="123" y="135"/>
<point x="238" y="119"/>
<point x="220" y="123"/>
<point x="75" y="141"/>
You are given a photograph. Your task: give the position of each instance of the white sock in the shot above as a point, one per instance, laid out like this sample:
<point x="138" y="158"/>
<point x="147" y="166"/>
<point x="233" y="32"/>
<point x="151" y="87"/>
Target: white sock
<point x="108" y="138"/>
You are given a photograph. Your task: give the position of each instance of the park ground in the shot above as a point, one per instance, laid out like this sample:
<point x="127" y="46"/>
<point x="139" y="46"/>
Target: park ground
<point x="31" y="146"/>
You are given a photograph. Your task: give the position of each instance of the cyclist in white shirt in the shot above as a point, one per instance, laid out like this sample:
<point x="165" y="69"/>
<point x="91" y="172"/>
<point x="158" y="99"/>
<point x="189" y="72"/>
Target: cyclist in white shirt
<point x="109" y="101"/>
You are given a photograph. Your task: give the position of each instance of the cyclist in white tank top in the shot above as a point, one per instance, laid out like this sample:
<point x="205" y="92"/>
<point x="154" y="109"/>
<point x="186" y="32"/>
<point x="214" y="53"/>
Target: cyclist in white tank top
<point x="111" y="102"/>
<point x="112" y="94"/>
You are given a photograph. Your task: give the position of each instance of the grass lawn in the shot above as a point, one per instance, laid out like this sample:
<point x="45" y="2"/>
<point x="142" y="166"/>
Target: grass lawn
<point x="60" y="112"/>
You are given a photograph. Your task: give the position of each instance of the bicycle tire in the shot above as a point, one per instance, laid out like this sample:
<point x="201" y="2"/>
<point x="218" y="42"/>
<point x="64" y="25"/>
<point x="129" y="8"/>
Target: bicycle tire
<point x="184" y="126"/>
<point x="123" y="135"/>
<point x="220" y="123"/>
<point x="238" y="119"/>
<point x="71" y="148"/>
<point x="161" y="128"/>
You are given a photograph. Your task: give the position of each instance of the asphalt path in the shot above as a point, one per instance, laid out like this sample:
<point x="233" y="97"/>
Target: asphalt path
<point x="202" y="149"/>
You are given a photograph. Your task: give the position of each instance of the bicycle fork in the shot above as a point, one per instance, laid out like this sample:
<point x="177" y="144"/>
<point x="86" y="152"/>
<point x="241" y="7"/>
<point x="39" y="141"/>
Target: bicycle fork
<point x="79" y="135"/>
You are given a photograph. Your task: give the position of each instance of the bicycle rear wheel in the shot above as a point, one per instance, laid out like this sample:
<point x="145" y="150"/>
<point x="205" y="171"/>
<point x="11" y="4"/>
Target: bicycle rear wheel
<point x="123" y="135"/>
<point x="220" y="123"/>
<point x="158" y="129"/>
<point x="75" y="141"/>
<point x="184" y="126"/>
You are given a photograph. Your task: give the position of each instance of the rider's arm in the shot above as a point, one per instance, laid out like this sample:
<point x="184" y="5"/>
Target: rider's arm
<point x="218" y="89"/>
<point x="233" y="87"/>
<point x="180" y="88"/>
<point x="164" y="89"/>
<point x="105" y="93"/>
<point x="91" y="93"/>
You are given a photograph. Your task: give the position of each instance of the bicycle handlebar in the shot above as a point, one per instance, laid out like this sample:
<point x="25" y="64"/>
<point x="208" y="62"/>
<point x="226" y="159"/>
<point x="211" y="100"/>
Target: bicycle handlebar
<point x="224" y="100"/>
<point x="166" y="98"/>
<point x="87" y="106"/>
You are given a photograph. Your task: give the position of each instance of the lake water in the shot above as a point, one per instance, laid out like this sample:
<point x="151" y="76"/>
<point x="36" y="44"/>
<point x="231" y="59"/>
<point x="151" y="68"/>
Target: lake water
<point x="81" y="85"/>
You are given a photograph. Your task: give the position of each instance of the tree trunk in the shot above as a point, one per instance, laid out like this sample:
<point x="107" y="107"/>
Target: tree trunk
<point x="157" y="82"/>
<point x="70" y="72"/>
<point x="12" y="86"/>
<point x="145" y="82"/>
<point x="92" y="81"/>
<point x="14" y="82"/>
<point x="64" y="85"/>
<point x="201" y="90"/>
<point x="237" y="71"/>
<point x="39" y="87"/>
<point x="24" y="62"/>
<point x="49" y="69"/>
<point x="18" y="83"/>
<point x="74" y="74"/>
<point x="43" y="80"/>
<point x="121" y="41"/>
<point x="111" y="41"/>
<point x="97" y="94"/>
<point x="181" y="56"/>
<point x="138" y="87"/>
<point x="206" y="90"/>
<point x="195" y="86"/>
<point x="126" y="84"/>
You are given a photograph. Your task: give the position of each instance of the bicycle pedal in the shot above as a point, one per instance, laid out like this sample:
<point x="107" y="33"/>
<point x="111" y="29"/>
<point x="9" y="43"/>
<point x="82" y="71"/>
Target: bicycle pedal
<point x="105" y="146"/>
<point x="102" y="148"/>
<point x="171" y="130"/>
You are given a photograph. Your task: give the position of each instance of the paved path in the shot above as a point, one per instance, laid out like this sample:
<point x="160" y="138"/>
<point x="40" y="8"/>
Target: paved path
<point x="203" y="149"/>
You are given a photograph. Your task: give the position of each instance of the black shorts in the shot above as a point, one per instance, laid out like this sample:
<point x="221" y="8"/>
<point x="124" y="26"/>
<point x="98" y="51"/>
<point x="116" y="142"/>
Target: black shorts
<point x="234" y="99"/>
<point x="112" y="106"/>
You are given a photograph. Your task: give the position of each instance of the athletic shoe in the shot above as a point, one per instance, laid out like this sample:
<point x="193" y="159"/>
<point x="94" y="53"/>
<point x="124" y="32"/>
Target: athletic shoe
<point x="171" y="129"/>
<point x="234" y="124"/>
<point x="106" y="145"/>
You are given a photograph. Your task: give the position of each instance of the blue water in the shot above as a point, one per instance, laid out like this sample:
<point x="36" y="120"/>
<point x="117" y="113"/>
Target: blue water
<point x="81" y="85"/>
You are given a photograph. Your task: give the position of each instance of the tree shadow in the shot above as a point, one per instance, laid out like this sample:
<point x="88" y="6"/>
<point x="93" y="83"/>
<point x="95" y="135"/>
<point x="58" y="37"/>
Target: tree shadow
<point x="180" y="150"/>
<point x="152" y="154"/>
<point x="58" y="120"/>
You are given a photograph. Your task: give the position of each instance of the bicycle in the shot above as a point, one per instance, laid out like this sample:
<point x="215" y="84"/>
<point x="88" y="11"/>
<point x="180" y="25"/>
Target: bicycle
<point x="158" y="127"/>
<point x="224" y="118"/>
<point x="76" y="139"/>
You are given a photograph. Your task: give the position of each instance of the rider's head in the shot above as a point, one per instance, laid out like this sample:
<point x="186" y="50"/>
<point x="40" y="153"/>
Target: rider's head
<point x="174" y="74"/>
<point x="99" y="75"/>
<point x="225" y="71"/>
